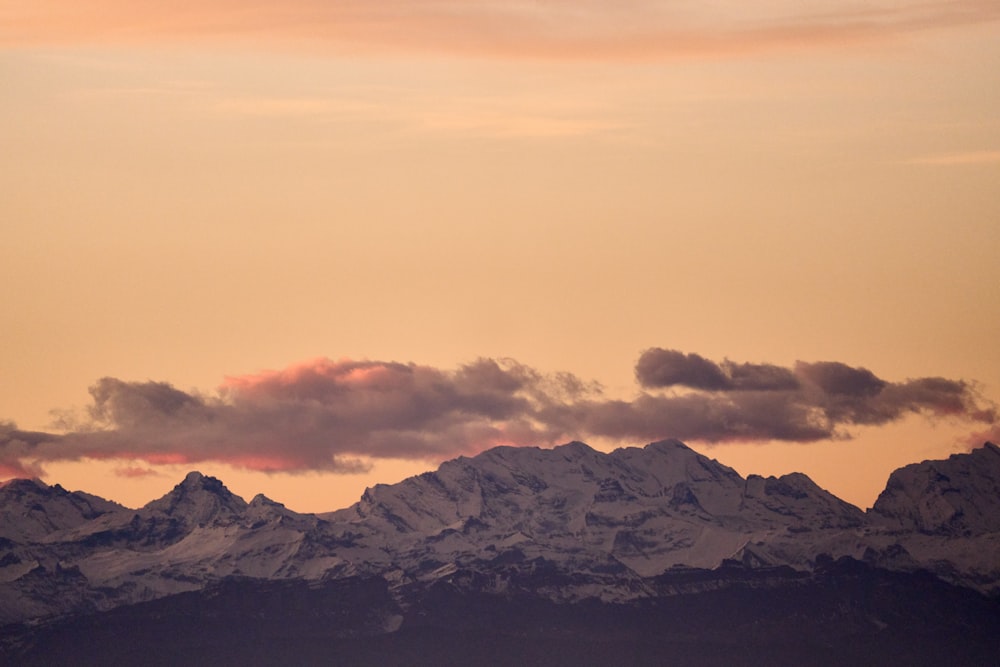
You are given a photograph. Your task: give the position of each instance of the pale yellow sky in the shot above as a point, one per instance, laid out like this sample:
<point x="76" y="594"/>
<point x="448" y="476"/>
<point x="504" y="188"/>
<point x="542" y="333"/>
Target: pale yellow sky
<point x="213" y="192"/>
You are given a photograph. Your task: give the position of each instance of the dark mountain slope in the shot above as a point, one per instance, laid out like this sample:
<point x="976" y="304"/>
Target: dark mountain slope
<point x="846" y="613"/>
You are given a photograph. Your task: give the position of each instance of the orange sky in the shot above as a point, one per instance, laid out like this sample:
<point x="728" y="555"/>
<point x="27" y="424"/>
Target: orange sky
<point x="218" y="189"/>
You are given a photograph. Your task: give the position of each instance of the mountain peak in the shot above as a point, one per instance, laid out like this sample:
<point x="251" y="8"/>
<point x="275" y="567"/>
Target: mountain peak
<point x="956" y="496"/>
<point x="796" y="496"/>
<point x="567" y="523"/>
<point x="260" y="500"/>
<point x="576" y="450"/>
<point x="200" y="498"/>
<point x="30" y="508"/>
<point x="193" y="477"/>
<point x="23" y="484"/>
<point x="669" y="445"/>
<point x="987" y="448"/>
<point x="574" y="446"/>
<point x="195" y="481"/>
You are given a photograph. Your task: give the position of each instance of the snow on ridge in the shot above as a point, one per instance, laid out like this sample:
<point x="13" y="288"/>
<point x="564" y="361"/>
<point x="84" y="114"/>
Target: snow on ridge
<point x="597" y="517"/>
<point x="956" y="496"/>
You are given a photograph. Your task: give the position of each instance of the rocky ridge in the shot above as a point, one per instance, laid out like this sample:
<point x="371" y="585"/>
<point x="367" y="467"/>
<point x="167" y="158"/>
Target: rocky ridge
<point x="958" y="497"/>
<point x="565" y="524"/>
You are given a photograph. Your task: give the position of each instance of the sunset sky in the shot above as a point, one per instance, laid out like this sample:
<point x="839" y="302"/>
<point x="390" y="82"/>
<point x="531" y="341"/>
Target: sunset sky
<point x="311" y="245"/>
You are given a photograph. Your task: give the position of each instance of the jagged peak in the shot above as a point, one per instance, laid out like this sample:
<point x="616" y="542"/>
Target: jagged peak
<point x="32" y="486"/>
<point x="197" y="488"/>
<point x="792" y="481"/>
<point x="508" y="455"/>
<point x="502" y="451"/>
<point x="798" y="482"/>
<point x="668" y="445"/>
<point x="677" y="450"/>
<point x="987" y="448"/>
<point x="195" y="480"/>
<point x="24" y="484"/>
<point x="572" y="450"/>
<point x="985" y="452"/>
<point x="676" y="455"/>
<point x="260" y="500"/>
<point x="574" y="447"/>
<point x="659" y="448"/>
<point x="957" y="496"/>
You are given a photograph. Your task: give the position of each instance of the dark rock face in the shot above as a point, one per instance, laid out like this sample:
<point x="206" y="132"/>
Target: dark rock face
<point x="236" y="621"/>
<point x="845" y="613"/>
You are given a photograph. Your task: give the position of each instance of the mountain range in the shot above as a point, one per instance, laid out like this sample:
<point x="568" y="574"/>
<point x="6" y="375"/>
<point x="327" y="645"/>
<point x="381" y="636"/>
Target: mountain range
<point x="608" y="551"/>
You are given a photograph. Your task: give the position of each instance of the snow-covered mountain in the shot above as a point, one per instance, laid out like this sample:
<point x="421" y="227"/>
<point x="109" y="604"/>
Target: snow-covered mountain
<point x="565" y="524"/>
<point x="648" y="509"/>
<point x="958" y="497"/>
<point x="30" y="510"/>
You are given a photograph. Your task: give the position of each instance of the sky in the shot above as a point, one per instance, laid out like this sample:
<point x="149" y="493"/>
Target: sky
<point x="310" y="246"/>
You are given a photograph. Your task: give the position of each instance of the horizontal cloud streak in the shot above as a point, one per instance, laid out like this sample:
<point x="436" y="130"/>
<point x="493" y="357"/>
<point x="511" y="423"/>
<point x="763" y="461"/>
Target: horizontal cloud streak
<point x="809" y="401"/>
<point x="666" y="368"/>
<point x="960" y="159"/>
<point x="16" y="446"/>
<point x="335" y="415"/>
<point x="321" y="415"/>
<point x="547" y="28"/>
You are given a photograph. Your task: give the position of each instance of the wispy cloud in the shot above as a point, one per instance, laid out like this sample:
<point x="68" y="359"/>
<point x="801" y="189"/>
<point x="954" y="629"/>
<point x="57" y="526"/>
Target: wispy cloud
<point x="958" y="159"/>
<point x="991" y="434"/>
<point x="283" y="106"/>
<point x="135" y="471"/>
<point x="333" y="415"/>
<point x="546" y="28"/>
<point x="520" y="116"/>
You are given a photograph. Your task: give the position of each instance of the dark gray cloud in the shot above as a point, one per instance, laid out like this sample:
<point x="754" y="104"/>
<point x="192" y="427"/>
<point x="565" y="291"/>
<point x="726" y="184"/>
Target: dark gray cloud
<point x="839" y="379"/>
<point x="759" y="377"/>
<point x="746" y="416"/>
<point x="332" y="415"/>
<point x="320" y="415"/>
<point x="666" y="368"/>
<point x="17" y="448"/>
<point x="661" y="368"/>
<point x="810" y="401"/>
<point x="141" y="404"/>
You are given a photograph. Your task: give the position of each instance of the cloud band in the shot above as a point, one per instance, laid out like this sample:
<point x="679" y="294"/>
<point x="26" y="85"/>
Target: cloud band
<point x="334" y="415"/>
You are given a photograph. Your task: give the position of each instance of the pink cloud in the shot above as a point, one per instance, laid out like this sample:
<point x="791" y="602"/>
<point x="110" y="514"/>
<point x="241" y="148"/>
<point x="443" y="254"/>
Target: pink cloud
<point x="977" y="439"/>
<point x="633" y="29"/>
<point x="318" y="415"/>
<point x="133" y="472"/>
<point x="335" y="415"/>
